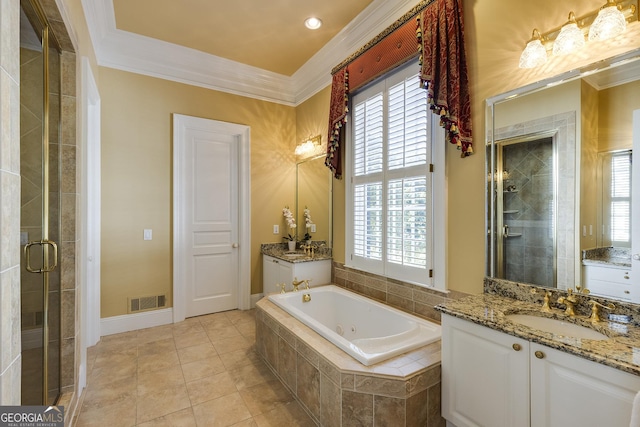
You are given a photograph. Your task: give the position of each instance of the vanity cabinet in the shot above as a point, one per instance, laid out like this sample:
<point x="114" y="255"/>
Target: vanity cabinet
<point x="278" y="271"/>
<point x="610" y="282"/>
<point x="490" y="378"/>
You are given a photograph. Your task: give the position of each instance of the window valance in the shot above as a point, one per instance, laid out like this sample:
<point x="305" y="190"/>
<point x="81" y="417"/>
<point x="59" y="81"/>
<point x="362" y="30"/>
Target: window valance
<point x="439" y="39"/>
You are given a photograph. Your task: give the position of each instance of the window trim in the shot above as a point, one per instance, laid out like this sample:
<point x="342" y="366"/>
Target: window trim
<point x="438" y="281"/>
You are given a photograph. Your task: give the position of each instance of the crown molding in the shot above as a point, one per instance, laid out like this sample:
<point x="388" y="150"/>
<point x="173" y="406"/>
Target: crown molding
<point x="143" y="55"/>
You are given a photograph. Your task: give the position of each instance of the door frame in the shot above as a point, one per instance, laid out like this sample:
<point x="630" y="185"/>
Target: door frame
<point x="90" y="190"/>
<point x="180" y="261"/>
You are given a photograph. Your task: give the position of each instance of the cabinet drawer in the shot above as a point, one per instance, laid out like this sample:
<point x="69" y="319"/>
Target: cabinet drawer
<point x="610" y="289"/>
<point x="608" y="274"/>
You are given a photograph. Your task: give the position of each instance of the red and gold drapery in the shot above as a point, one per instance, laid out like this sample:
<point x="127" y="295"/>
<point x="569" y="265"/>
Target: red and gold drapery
<point x="443" y="70"/>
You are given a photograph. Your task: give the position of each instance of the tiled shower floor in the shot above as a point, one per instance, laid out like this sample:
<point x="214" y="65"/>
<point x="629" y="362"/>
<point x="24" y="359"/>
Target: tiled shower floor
<point x="200" y="372"/>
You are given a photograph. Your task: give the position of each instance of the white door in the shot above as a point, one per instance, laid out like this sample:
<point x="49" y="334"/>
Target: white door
<point x="207" y="183"/>
<point x="635" y="204"/>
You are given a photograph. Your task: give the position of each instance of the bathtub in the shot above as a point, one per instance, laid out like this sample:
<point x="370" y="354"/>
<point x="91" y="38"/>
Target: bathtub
<point x="368" y="331"/>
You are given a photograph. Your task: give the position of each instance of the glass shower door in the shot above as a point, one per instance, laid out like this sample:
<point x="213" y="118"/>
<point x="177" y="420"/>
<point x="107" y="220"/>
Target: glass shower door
<point x="40" y="213"/>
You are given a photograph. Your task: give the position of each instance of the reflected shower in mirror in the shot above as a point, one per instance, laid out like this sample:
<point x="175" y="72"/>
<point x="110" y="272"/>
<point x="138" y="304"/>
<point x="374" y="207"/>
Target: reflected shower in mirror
<point x="526" y="202"/>
<point x="559" y="172"/>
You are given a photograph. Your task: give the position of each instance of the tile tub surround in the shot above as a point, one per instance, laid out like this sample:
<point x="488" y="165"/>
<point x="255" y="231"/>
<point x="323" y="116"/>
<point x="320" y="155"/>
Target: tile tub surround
<point x="413" y="299"/>
<point x="502" y="297"/>
<point x="277" y="250"/>
<point x="620" y="257"/>
<point x="337" y="390"/>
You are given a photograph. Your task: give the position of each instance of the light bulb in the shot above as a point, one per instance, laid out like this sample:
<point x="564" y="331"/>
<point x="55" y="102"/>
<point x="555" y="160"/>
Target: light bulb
<point x="570" y="38"/>
<point x="534" y="54"/>
<point x="609" y="23"/>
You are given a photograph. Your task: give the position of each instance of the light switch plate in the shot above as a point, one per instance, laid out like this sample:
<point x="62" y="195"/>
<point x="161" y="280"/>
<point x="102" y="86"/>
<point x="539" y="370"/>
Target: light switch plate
<point x="276" y="229"/>
<point x="148" y="234"/>
<point x="313" y="228"/>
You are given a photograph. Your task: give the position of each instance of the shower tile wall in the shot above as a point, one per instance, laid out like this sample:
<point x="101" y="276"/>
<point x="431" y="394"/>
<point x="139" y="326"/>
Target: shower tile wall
<point x="68" y="205"/>
<point x="10" y="360"/>
<point x="529" y="210"/>
<point x="565" y="125"/>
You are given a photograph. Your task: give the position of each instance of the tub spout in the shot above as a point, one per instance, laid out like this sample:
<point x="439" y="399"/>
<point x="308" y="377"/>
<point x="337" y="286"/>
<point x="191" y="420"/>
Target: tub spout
<point x="296" y="283"/>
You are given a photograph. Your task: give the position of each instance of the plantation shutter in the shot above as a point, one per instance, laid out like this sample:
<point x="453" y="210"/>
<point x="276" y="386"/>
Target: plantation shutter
<point x="621" y="197"/>
<point x="391" y="182"/>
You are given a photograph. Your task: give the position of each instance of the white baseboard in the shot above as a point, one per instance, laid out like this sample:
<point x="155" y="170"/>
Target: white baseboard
<point x="255" y="298"/>
<point x="133" y="322"/>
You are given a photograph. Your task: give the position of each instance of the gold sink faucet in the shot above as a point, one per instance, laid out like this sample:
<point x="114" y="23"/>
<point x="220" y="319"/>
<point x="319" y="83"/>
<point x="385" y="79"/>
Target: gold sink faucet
<point x="545" y="305"/>
<point x="569" y="301"/>
<point x="595" y="305"/>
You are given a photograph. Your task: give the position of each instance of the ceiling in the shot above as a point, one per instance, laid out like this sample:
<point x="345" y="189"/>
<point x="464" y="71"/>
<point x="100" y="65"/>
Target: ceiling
<point x="269" y="35"/>
<point x="240" y="47"/>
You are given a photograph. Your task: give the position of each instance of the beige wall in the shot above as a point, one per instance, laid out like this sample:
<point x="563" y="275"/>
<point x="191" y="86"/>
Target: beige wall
<point x="136" y="150"/>
<point x="496" y="32"/>
<point x="616" y="105"/>
<point x="589" y="110"/>
<point x="136" y="176"/>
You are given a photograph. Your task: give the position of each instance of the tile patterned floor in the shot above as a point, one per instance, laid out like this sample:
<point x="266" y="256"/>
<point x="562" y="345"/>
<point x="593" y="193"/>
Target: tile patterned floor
<point x="200" y="372"/>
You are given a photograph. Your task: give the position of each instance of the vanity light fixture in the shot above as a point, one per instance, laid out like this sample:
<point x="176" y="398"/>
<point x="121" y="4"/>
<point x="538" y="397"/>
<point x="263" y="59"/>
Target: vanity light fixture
<point x="570" y="37"/>
<point x="603" y="23"/>
<point x="609" y="23"/>
<point x="312" y="23"/>
<point x="308" y="146"/>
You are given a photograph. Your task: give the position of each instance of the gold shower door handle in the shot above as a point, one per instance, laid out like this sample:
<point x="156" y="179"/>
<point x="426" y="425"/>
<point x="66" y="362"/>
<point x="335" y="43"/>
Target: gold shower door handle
<point x="42" y="243"/>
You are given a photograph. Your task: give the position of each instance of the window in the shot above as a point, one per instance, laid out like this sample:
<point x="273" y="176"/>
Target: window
<point x="617" y="198"/>
<point x="391" y="221"/>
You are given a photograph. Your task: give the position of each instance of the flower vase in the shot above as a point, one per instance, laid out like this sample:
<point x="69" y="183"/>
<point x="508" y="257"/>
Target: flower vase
<point x="292" y="245"/>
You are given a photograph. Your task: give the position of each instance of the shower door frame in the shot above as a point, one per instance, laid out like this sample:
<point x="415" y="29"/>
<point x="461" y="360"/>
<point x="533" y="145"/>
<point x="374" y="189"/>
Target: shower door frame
<point x="498" y="269"/>
<point x="49" y="260"/>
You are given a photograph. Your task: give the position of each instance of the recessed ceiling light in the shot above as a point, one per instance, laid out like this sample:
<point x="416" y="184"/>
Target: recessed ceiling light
<point x="312" y="23"/>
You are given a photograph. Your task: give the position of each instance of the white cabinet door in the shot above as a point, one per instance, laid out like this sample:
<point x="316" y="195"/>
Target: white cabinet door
<point x="317" y="272"/>
<point x="485" y="376"/>
<point x="275" y="271"/>
<point x="567" y="390"/>
<point x="278" y="271"/>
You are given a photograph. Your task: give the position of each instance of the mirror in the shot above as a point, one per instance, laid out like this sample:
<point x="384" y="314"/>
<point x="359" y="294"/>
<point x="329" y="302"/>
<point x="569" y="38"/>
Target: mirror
<point x="550" y="153"/>
<point x="313" y="192"/>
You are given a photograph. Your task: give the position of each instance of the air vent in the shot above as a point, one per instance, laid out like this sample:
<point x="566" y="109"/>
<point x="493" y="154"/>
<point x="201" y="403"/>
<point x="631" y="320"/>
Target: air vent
<point x="146" y="303"/>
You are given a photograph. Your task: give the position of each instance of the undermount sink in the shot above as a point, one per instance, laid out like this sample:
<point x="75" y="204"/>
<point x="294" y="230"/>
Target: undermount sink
<point x="556" y="326"/>
<point x="295" y="255"/>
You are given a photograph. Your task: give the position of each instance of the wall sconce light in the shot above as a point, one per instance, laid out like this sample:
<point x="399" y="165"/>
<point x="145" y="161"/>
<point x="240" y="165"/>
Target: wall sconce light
<point x="601" y="24"/>
<point x="308" y="146"/>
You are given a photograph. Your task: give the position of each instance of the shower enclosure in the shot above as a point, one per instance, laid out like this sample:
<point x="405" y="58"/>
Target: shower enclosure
<point x="40" y="225"/>
<point x="525" y="201"/>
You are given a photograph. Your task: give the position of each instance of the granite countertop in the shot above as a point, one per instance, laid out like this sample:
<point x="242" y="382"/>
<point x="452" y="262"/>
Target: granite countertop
<point x="281" y="252"/>
<point x="610" y="256"/>
<point x="620" y="351"/>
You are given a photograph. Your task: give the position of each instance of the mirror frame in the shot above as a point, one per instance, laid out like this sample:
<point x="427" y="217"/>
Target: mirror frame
<point x="632" y="56"/>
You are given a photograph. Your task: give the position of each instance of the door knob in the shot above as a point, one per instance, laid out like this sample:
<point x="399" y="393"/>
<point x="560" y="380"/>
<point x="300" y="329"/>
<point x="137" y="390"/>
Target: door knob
<point x="636" y="257"/>
<point x="539" y="354"/>
<point x="235" y="245"/>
